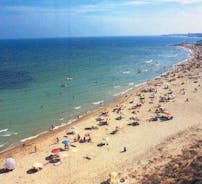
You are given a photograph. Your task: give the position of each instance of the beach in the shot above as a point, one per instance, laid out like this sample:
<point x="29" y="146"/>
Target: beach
<point x="130" y="136"/>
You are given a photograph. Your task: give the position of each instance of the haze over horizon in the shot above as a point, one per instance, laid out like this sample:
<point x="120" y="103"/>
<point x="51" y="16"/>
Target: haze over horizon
<point x="76" y="18"/>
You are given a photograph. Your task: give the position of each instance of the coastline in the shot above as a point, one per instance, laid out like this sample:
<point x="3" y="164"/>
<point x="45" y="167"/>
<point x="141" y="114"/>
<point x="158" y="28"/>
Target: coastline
<point x="138" y="140"/>
<point x="82" y="116"/>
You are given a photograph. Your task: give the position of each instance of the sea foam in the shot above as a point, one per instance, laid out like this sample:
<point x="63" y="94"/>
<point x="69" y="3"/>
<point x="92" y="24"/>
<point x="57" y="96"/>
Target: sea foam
<point x="6" y="135"/>
<point x="123" y="92"/>
<point x="1" y="145"/>
<point x="77" y="108"/>
<point x="3" y="130"/>
<point x="149" y="61"/>
<point x="126" y="72"/>
<point x="98" y="102"/>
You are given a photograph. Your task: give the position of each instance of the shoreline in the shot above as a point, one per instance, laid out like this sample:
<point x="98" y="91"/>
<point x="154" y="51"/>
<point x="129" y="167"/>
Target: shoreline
<point x="181" y="84"/>
<point x="82" y="116"/>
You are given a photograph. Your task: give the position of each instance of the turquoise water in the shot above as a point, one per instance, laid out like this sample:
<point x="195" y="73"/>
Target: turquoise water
<point x="46" y="82"/>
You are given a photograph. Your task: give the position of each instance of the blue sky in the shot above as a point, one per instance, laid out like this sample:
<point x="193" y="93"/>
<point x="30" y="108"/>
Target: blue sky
<point x="64" y="18"/>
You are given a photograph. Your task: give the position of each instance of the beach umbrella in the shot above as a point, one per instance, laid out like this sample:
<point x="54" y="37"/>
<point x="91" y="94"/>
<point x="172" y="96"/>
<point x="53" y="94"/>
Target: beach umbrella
<point x="55" y="150"/>
<point x="113" y="174"/>
<point x="63" y="154"/>
<point x="66" y="142"/>
<point x="10" y="163"/>
<point x="74" y="128"/>
<point x="37" y="165"/>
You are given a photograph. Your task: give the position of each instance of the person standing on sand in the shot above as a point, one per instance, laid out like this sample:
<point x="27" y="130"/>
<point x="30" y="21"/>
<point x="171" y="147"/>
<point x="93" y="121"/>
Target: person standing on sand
<point x="78" y="137"/>
<point x="35" y="149"/>
<point x="57" y="140"/>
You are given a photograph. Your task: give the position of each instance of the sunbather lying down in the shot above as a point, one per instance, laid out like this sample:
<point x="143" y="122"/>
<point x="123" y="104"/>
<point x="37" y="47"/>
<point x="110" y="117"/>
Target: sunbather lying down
<point x="101" y="144"/>
<point x="87" y="157"/>
<point x="115" y="131"/>
<point x="161" y="118"/>
<point x="133" y="123"/>
<point x="165" y="118"/>
<point x="91" y="128"/>
<point x="51" y="157"/>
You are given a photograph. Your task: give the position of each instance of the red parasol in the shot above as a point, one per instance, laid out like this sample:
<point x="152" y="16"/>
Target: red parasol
<point x="55" y="150"/>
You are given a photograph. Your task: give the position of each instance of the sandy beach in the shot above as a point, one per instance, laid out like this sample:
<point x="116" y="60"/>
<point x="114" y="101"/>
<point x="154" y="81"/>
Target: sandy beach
<point x="155" y="123"/>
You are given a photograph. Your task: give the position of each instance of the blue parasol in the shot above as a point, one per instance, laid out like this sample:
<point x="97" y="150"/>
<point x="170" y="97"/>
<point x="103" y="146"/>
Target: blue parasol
<point x="66" y="142"/>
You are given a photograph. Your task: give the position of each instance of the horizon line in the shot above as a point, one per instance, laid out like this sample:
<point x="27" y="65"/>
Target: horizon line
<point x="95" y="36"/>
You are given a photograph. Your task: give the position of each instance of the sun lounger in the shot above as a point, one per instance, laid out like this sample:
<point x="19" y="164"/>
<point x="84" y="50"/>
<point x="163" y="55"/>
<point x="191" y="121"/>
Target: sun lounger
<point x="57" y="163"/>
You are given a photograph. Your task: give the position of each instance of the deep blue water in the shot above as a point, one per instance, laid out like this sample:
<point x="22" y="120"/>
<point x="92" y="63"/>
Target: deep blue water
<point x="50" y="81"/>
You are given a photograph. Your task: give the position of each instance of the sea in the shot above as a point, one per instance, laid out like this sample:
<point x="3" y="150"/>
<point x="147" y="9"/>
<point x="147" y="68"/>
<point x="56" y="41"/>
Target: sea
<point x="45" y="82"/>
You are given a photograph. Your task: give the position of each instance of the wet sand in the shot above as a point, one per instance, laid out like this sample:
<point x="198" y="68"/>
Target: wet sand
<point x="176" y="94"/>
